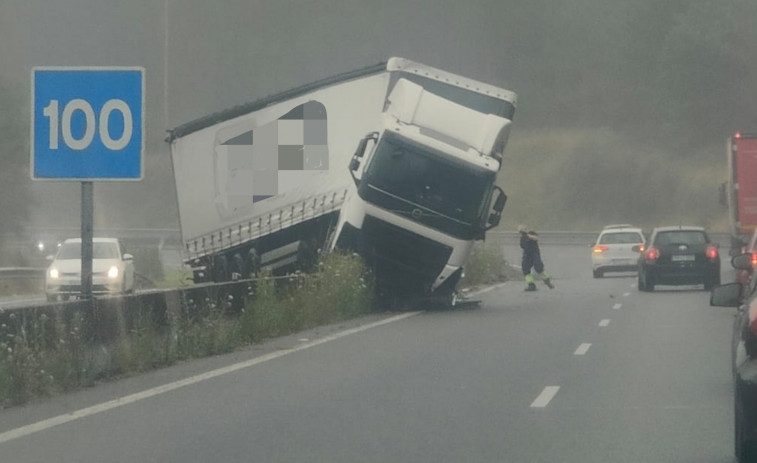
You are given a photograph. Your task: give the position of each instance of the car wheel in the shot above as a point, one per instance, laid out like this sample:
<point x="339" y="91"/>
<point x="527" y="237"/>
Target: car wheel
<point x="711" y="281"/>
<point x="640" y="283"/>
<point x="647" y="285"/>
<point x="598" y="273"/>
<point x="744" y="449"/>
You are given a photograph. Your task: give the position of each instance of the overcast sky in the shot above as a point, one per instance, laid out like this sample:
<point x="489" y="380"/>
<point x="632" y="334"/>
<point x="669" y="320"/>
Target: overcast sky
<point x="221" y="54"/>
<point x="635" y="66"/>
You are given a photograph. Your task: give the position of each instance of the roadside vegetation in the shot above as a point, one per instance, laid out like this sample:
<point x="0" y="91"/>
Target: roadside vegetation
<point x="41" y="356"/>
<point x="583" y="179"/>
<point x="487" y="266"/>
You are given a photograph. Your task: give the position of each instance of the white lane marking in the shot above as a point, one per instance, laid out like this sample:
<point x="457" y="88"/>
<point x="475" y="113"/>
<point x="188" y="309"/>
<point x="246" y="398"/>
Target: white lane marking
<point x="617" y="306"/>
<point x="582" y="349"/>
<point x="545" y="397"/>
<point x="626" y="294"/>
<point x="633" y="285"/>
<point x="485" y="290"/>
<point x="604" y="322"/>
<point x="132" y="398"/>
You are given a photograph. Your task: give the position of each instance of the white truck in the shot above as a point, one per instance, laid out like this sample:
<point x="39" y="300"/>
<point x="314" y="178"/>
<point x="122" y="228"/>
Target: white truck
<point x="269" y="183"/>
<point x="425" y="180"/>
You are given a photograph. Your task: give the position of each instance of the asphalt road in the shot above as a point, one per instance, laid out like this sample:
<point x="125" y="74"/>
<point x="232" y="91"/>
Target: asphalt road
<point x="592" y="371"/>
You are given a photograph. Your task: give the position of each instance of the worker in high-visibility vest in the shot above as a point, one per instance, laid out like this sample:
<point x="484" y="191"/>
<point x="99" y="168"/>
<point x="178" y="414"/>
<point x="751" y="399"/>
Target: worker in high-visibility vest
<point x="529" y="242"/>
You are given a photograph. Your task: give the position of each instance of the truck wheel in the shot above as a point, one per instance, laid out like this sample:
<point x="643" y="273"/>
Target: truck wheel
<point x="253" y="261"/>
<point x="220" y="269"/>
<point x="238" y="269"/>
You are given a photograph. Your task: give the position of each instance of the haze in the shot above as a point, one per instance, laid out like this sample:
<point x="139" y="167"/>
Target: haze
<point x="616" y="99"/>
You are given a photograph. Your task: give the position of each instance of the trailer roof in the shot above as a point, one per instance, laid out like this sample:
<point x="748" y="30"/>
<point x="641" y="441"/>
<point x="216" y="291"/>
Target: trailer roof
<point x="240" y="110"/>
<point x="392" y="64"/>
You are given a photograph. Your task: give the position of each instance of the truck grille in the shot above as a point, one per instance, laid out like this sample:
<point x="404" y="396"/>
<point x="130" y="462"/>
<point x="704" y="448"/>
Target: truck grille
<point x="402" y="257"/>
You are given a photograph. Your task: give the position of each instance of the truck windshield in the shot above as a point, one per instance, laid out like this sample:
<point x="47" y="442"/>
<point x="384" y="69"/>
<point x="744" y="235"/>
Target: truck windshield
<point x="99" y="251"/>
<point x="437" y="192"/>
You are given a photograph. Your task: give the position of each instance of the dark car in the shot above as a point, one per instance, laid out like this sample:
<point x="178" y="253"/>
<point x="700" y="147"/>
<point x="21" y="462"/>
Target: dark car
<point x="743" y="358"/>
<point x="679" y="255"/>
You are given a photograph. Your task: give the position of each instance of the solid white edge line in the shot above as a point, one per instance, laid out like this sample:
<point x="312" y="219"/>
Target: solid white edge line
<point x="604" y="322"/>
<point x="131" y="398"/>
<point x="582" y="349"/>
<point x="545" y="397"/>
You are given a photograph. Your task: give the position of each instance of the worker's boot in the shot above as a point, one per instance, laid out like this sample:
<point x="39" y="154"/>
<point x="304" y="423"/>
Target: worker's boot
<point x="549" y="284"/>
<point x="530" y="287"/>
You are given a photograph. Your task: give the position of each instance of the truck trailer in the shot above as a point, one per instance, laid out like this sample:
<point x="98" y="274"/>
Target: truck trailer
<point x="740" y="189"/>
<point x="271" y="183"/>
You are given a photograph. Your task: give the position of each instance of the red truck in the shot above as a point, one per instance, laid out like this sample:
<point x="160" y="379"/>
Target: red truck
<point x="740" y="191"/>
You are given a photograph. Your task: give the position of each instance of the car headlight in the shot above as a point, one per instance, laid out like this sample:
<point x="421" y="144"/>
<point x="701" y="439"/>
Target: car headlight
<point x="113" y="272"/>
<point x="54" y="273"/>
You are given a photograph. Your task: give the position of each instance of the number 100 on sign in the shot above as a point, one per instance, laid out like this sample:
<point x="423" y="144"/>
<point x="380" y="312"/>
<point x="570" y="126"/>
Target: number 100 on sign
<point x="87" y="123"/>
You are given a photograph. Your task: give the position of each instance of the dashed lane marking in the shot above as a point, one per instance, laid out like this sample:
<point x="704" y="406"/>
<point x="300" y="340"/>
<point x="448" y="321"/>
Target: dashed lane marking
<point x="604" y="322"/>
<point x="545" y="397"/>
<point x="582" y="349"/>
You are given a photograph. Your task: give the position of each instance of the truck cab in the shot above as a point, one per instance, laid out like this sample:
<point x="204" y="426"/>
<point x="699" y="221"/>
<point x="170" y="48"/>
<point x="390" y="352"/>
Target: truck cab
<point x="425" y="191"/>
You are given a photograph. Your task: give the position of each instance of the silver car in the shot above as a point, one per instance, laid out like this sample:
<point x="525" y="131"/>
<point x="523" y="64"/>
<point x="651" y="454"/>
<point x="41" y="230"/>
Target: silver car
<point x="617" y="249"/>
<point x="112" y="269"/>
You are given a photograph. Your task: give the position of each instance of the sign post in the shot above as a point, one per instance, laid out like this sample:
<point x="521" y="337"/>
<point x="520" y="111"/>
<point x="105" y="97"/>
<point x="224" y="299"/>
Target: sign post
<point x="87" y="124"/>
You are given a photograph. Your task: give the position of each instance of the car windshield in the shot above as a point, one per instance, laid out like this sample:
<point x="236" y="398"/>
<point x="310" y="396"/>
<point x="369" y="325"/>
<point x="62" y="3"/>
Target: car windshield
<point x="99" y="251"/>
<point x="621" y="238"/>
<point x="688" y="237"/>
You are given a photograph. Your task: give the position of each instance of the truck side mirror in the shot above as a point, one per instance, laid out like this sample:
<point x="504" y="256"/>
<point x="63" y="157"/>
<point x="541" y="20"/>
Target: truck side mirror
<point x="359" y="153"/>
<point x="498" y="207"/>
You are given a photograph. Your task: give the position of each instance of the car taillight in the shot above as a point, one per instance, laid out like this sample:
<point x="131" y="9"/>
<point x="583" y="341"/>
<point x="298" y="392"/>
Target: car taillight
<point x="599" y="249"/>
<point x="712" y="253"/>
<point x="754" y="259"/>
<point x="642" y="248"/>
<point x="652" y="254"/>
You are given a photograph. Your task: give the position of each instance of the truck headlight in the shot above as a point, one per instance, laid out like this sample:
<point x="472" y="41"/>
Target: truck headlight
<point x="113" y="272"/>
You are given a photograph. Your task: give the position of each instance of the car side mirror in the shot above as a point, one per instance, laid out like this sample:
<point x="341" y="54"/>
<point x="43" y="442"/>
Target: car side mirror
<point x="742" y="261"/>
<point x="728" y="295"/>
<point x="128" y="256"/>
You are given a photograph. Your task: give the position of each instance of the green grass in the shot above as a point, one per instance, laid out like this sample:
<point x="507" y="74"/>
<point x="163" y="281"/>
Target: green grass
<point x="581" y="180"/>
<point x="40" y="358"/>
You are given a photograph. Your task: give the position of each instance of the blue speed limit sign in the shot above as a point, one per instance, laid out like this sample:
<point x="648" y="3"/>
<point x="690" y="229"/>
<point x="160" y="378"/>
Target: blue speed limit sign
<point x="87" y="123"/>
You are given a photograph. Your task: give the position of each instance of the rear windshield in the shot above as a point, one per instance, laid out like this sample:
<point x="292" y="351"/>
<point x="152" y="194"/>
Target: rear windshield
<point x="690" y="237"/>
<point x="621" y="238"/>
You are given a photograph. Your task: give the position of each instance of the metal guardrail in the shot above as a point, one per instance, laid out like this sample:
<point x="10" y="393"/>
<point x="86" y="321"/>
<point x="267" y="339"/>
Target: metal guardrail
<point x="579" y="238"/>
<point x="22" y="273"/>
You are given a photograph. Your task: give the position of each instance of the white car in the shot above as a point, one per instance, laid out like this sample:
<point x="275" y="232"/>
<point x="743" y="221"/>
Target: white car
<point x="112" y="269"/>
<point x="617" y="249"/>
